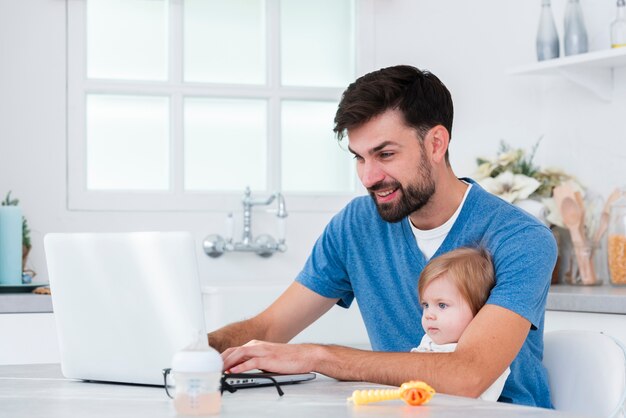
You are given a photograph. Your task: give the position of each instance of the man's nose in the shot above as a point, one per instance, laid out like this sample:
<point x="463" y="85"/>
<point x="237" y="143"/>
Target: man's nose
<point x="370" y="174"/>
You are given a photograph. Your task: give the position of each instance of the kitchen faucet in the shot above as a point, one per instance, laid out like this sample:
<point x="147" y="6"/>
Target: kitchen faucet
<point x="264" y="245"/>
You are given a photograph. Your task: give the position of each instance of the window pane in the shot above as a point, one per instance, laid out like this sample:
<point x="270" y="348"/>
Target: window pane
<point x="225" y="144"/>
<point x="225" y="41"/>
<point x="312" y="160"/>
<point x="127" y="143"/>
<point x="317" y="42"/>
<point x="127" y="39"/>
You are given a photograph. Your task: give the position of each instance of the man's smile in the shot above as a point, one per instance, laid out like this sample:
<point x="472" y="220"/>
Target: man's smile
<point x="387" y="195"/>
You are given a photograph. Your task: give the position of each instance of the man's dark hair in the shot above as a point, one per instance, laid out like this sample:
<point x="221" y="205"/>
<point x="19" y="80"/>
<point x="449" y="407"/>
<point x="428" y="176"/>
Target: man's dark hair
<point x="421" y="97"/>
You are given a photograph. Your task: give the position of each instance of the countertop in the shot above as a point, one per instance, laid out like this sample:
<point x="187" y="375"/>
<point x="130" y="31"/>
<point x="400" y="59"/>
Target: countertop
<point x="11" y="303"/>
<point x="41" y="391"/>
<point x="596" y="299"/>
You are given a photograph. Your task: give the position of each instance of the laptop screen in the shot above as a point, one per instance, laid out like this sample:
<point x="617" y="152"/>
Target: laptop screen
<point x="124" y="303"/>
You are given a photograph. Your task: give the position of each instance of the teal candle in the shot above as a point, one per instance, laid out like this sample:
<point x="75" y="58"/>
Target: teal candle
<point x="10" y="245"/>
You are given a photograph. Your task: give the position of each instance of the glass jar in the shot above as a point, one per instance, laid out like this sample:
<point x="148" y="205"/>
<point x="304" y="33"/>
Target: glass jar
<point x="585" y="265"/>
<point x="618" y="27"/>
<point x="617" y="241"/>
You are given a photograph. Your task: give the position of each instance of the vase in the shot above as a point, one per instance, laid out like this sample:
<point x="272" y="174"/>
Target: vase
<point x="534" y="208"/>
<point x="575" y="34"/>
<point x="547" y="37"/>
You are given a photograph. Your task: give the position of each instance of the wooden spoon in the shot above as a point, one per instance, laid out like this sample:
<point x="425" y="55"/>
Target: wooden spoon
<point x="573" y="216"/>
<point x="581" y="204"/>
<point x="604" y="217"/>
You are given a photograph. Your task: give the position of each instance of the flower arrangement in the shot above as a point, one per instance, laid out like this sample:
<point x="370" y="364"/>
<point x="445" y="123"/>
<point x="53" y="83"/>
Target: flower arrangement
<point x="513" y="176"/>
<point x="25" y="229"/>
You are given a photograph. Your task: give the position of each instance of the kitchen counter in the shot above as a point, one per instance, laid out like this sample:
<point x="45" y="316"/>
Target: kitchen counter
<point x="41" y="391"/>
<point x="605" y="299"/>
<point x="596" y="299"/>
<point x="11" y="303"/>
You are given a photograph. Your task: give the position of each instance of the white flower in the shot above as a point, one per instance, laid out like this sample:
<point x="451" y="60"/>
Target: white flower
<point x="554" y="172"/>
<point x="483" y="171"/>
<point x="554" y="214"/>
<point x="510" y="187"/>
<point x="506" y="158"/>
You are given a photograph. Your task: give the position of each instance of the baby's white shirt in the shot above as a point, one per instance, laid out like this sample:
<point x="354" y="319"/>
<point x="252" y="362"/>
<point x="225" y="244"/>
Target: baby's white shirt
<point x="427" y="345"/>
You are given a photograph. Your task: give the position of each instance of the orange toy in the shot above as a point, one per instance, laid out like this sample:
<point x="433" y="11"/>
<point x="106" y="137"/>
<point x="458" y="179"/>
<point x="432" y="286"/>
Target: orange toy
<point x="413" y="393"/>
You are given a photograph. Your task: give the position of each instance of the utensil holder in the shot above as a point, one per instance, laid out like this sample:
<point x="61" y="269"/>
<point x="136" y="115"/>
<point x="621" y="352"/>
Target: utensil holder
<point x="586" y="265"/>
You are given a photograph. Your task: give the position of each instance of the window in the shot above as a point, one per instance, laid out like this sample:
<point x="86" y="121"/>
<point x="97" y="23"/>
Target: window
<point x="181" y="104"/>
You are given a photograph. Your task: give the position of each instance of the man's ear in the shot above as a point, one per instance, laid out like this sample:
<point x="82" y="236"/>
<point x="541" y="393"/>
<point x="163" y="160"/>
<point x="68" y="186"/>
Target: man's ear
<point x="437" y="140"/>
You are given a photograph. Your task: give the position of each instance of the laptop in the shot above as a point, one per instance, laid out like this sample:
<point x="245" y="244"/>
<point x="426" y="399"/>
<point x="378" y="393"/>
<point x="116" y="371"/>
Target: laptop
<point x="124" y="303"/>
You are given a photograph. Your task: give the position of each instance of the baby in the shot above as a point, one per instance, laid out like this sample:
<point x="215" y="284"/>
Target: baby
<point x="452" y="288"/>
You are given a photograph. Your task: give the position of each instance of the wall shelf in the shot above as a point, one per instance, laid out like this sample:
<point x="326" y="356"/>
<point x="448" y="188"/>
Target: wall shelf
<point x="593" y="70"/>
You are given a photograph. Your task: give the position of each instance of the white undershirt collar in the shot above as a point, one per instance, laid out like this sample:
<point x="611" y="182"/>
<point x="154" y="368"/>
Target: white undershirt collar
<point x="430" y="240"/>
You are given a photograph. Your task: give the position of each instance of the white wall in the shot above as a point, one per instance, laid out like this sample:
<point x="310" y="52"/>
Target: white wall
<point x="33" y="155"/>
<point x="469" y="45"/>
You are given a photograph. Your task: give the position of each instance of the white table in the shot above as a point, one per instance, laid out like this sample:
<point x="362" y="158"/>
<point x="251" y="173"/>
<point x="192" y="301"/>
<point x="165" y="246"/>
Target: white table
<point x="41" y="391"/>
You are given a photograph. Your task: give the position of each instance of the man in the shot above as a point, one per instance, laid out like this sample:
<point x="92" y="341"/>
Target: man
<point x="398" y="121"/>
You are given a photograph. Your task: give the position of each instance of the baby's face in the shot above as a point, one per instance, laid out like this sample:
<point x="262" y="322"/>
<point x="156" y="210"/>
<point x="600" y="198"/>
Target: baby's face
<point x="446" y="314"/>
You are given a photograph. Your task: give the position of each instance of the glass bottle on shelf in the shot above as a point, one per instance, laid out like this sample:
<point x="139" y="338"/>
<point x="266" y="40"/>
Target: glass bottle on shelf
<point x="617" y="241"/>
<point x="547" y="37"/>
<point x="575" y="34"/>
<point x="618" y="27"/>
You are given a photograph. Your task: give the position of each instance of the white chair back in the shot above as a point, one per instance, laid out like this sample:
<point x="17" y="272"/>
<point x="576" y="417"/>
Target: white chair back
<point x="587" y="372"/>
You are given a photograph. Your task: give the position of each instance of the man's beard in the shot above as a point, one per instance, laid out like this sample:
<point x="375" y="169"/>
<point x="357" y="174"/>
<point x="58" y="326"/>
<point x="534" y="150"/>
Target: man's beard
<point x="412" y="198"/>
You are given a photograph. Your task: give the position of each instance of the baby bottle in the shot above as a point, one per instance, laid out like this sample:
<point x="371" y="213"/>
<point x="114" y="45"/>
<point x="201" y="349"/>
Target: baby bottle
<point x="197" y="371"/>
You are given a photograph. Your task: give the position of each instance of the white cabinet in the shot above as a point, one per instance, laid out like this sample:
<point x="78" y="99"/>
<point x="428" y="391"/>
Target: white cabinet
<point x="28" y="339"/>
<point x="611" y="324"/>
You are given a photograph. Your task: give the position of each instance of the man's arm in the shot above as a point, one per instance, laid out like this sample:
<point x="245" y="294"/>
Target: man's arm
<point x="486" y="349"/>
<point x="292" y="312"/>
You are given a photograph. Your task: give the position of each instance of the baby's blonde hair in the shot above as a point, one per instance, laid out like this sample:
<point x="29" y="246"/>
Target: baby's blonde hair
<point x="471" y="271"/>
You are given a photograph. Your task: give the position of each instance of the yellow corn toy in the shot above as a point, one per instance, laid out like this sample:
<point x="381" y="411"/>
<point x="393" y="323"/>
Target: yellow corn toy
<point x="413" y="393"/>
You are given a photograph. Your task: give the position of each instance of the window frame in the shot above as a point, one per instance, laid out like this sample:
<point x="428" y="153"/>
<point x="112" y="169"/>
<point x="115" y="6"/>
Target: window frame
<point x="177" y="198"/>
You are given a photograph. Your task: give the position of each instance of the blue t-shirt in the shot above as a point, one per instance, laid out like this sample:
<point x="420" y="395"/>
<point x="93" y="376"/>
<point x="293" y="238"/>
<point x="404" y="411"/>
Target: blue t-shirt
<point x="360" y="255"/>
